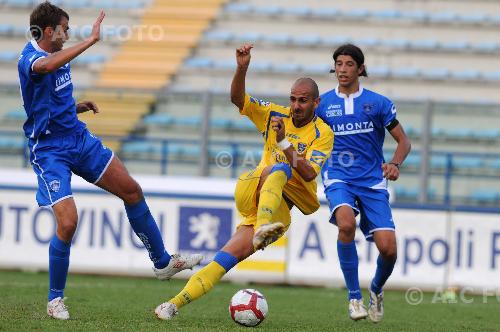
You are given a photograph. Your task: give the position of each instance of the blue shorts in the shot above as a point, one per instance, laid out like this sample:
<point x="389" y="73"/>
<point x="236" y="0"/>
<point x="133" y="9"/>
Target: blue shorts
<point x="372" y="205"/>
<point x="54" y="159"/>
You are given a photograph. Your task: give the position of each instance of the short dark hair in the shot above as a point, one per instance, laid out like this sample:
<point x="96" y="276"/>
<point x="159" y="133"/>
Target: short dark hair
<point x="45" y="15"/>
<point x="354" y="52"/>
<point x="312" y="84"/>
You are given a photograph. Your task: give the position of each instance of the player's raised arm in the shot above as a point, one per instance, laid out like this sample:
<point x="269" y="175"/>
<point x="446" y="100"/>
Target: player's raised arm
<point x="58" y="59"/>
<point x="238" y="83"/>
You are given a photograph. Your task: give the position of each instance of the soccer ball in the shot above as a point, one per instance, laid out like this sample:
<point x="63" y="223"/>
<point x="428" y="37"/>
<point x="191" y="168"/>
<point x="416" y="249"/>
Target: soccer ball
<point x="248" y="307"/>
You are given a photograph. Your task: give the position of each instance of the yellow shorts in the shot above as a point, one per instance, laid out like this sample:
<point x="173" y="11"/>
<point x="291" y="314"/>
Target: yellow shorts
<point x="245" y="196"/>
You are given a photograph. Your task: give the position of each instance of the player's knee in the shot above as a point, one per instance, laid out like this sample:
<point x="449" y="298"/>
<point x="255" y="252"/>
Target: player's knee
<point x="346" y="228"/>
<point x="67" y="228"/>
<point x="388" y="252"/>
<point x="132" y="193"/>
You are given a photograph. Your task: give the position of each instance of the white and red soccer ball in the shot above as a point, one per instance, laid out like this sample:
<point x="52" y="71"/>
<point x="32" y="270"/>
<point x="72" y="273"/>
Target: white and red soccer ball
<point x="248" y="307"/>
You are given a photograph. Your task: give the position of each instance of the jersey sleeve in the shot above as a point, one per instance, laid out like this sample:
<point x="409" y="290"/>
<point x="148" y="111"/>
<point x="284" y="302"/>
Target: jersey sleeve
<point x="321" y="148"/>
<point x="27" y="62"/>
<point x="258" y="111"/>
<point x="388" y="111"/>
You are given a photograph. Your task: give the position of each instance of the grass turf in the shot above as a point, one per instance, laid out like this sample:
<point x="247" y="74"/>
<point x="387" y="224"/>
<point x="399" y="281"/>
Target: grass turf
<point x="99" y="303"/>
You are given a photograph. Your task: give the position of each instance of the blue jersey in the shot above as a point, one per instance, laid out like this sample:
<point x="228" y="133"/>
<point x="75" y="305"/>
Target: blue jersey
<point x="47" y="98"/>
<point x="358" y="122"/>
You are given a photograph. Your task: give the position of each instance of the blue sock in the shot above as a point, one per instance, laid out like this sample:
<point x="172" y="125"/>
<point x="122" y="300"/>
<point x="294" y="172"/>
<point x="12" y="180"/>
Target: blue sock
<point x="348" y="257"/>
<point x="226" y="260"/>
<point x="384" y="270"/>
<point x="146" y="229"/>
<point x="58" y="267"/>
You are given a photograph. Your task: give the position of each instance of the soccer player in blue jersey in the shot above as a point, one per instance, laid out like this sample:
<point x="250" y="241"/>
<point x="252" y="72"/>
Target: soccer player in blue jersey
<point x="355" y="177"/>
<point x="61" y="145"/>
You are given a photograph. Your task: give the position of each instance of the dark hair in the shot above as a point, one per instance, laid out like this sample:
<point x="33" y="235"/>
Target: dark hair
<point x="354" y="52"/>
<point x="45" y="15"/>
<point x="312" y="84"/>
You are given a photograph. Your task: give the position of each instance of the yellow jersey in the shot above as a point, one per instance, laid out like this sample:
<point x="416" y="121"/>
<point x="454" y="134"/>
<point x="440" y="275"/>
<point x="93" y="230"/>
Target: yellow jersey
<point x="313" y="142"/>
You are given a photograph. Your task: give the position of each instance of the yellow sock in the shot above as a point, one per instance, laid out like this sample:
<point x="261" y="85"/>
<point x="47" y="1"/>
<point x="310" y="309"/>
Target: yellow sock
<point x="199" y="284"/>
<point x="270" y="196"/>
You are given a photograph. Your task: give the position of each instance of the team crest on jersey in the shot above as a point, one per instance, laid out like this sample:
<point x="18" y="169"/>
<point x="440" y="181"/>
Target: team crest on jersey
<point x="367" y="108"/>
<point x="301" y="147"/>
<point x="55" y="185"/>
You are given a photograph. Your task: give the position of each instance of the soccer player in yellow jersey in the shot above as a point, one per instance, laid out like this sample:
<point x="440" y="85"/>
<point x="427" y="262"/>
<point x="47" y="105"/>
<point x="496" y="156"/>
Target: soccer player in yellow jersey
<point x="296" y="144"/>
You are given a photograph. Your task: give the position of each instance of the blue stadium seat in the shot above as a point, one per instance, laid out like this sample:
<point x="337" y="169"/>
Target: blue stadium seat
<point x="11" y="143"/>
<point x="443" y="17"/>
<point x="162" y="119"/>
<point x="225" y="64"/>
<point x="424" y="44"/>
<point x="485" y="196"/>
<point x="468" y="75"/>
<point x="473" y="18"/>
<point x="367" y="42"/>
<point x="6" y="29"/>
<point x="286" y="68"/>
<point x="468" y="162"/>
<point x="269" y="10"/>
<point x="193" y="121"/>
<point x="495" y="164"/>
<point x="220" y="123"/>
<point x="325" y="12"/>
<point x="317" y="68"/>
<point x="239" y="8"/>
<point x="486" y="134"/>
<point x="261" y="66"/>
<point x="334" y="40"/>
<point x="78" y="4"/>
<point x="413" y="160"/>
<point x="356" y="13"/>
<point x="387" y="14"/>
<point x="248" y="37"/>
<point x="436" y="74"/>
<point x="458" y="133"/>
<point x="129" y="4"/>
<point x="307" y="40"/>
<point x="297" y="11"/>
<point x="190" y="151"/>
<point x="219" y="36"/>
<point x="242" y="124"/>
<point x="16" y="115"/>
<point x="414" y="15"/>
<point x="485" y="46"/>
<point x="278" y="38"/>
<point x="380" y="71"/>
<point x="87" y="59"/>
<point x="455" y="45"/>
<point x="8" y="56"/>
<point x="140" y="147"/>
<point x="491" y="76"/>
<point x="405" y="72"/>
<point x="199" y="63"/>
<point x="395" y="43"/>
<point x="19" y="3"/>
<point x="439" y="162"/>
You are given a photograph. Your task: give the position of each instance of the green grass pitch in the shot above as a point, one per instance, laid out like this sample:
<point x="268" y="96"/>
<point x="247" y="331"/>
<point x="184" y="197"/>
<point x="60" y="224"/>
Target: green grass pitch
<point x="117" y="303"/>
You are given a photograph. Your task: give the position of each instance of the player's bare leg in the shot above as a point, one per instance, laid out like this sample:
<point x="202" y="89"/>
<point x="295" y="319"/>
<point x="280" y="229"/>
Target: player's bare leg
<point x="118" y="181"/>
<point x="237" y="248"/>
<point x="348" y="259"/>
<point x="59" y="250"/>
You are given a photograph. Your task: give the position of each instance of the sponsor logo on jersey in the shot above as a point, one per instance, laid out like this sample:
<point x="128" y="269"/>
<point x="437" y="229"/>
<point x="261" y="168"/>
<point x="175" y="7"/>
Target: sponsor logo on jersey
<point x="353" y="128"/>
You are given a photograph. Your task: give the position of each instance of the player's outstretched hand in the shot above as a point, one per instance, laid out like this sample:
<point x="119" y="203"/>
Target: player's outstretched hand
<point x="279" y="127"/>
<point x="96" y="28"/>
<point x="391" y="172"/>
<point x="243" y="55"/>
<point x="86" y="106"/>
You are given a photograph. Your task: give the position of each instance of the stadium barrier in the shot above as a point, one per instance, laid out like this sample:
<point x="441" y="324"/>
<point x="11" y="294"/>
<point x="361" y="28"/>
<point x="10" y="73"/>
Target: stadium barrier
<point x="436" y="248"/>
